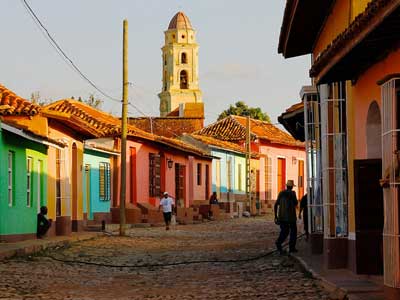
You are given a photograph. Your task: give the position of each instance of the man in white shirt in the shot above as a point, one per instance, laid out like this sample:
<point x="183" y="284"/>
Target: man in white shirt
<point x="167" y="203"/>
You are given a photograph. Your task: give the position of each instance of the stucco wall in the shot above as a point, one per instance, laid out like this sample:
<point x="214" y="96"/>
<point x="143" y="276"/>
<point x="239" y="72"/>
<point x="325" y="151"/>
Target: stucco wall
<point x="342" y="14"/>
<point x="10" y="217"/>
<point x="275" y="152"/>
<point x="93" y="160"/>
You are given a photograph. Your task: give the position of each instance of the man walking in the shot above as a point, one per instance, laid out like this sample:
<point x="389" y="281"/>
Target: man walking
<point x="285" y="216"/>
<point x="167" y="203"/>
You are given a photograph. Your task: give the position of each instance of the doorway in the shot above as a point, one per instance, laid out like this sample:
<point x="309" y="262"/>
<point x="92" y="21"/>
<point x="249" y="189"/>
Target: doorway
<point x="180" y="190"/>
<point x="369" y="216"/>
<point x="281" y="174"/>
<point x="87" y="194"/>
<point x="74" y="178"/>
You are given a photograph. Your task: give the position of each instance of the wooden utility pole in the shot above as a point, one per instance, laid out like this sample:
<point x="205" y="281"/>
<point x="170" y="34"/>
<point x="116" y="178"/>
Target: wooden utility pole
<point x="248" y="165"/>
<point x="124" y="129"/>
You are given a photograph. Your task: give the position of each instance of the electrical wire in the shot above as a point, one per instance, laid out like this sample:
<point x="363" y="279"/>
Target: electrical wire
<point x="189" y="262"/>
<point x="61" y="52"/>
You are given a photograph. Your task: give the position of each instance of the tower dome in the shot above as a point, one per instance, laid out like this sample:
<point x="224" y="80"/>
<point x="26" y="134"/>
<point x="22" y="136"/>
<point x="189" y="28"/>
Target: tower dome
<point x="180" y="21"/>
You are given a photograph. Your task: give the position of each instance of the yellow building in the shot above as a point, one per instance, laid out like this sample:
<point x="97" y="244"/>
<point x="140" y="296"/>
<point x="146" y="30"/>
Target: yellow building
<point x="355" y="57"/>
<point x="180" y="90"/>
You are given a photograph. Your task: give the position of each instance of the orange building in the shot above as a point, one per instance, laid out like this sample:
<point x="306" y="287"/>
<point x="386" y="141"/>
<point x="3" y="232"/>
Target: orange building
<point x="355" y="68"/>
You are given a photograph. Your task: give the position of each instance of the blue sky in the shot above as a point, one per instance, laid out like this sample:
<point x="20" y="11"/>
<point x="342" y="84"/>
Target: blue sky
<point x="238" y="51"/>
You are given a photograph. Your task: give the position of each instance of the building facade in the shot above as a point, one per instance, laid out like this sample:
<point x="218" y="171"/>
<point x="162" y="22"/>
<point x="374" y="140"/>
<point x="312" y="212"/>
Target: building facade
<point x="355" y="63"/>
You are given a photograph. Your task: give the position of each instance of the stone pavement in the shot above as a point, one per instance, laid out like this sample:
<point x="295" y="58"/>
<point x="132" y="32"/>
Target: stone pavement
<point x="340" y="282"/>
<point x="113" y="267"/>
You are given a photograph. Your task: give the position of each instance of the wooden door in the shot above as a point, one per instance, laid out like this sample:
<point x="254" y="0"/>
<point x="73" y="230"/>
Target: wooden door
<point x="180" y="185"/>
<point x="74" y="187"/>
<point x="133" y="187"/>
<point x="369" y="216"/>
<point x="300" y="180"/>
<point x="281" y="174"/>
<point x="207" y="183"/>
<point x="87" y="186"/>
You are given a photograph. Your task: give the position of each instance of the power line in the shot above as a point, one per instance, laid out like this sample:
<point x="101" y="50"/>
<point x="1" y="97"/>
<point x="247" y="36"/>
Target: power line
<point x="61" y="52"/>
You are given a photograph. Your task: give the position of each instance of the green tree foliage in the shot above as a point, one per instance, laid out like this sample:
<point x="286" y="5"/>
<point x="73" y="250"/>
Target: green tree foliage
<point x="242" y="109"/>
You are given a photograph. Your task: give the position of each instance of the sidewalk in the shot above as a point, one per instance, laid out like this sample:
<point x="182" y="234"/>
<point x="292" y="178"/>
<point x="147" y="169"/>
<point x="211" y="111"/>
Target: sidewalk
<point x="26" y="247"/>
<point x="341" y="282"/>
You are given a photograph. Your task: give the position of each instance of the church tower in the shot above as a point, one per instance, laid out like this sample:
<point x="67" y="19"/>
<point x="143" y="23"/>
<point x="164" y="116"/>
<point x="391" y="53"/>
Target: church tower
<point x="180" y="90"/>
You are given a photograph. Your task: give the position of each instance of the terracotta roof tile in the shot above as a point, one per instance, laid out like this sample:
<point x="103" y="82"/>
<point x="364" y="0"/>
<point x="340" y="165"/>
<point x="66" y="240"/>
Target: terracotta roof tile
<point x="233" y="128"/>
<point x="219" y="143"/>
<point x="180" y="21"/>
<point x="360" y="23"/>
<point x="11" y="104"/>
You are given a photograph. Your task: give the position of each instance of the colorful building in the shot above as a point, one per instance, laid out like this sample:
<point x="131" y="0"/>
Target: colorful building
<point x="98" y="180"/>
<point x="228" y="170"/>
<point x="23" y="165"/>
<point x="280" y="156"/>
<point x="355" y="68"/>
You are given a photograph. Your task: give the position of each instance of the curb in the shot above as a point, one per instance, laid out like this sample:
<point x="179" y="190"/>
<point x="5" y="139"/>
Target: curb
<point x="335" y="291"/>
<point x="42" y="245"/>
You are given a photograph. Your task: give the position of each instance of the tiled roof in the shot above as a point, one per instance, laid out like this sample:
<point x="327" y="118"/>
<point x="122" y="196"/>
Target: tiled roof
<point x="360" y="24"/>
<point x="87" y="119"/>
<point x="233" y="128"/>
<point x="180" y="21"/>
<point x="11" y="104"/>
<point x="81" y="117"/>
<point x="219" y="143"/>
<point x="227" y="129"/>
<point x="181" y="145"/>
<point x="295" y="107"/>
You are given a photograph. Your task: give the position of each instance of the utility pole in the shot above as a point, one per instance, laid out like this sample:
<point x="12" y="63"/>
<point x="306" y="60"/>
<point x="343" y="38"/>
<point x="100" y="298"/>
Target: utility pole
<point x="124" y="129"/>
<point x="248" y="165"/>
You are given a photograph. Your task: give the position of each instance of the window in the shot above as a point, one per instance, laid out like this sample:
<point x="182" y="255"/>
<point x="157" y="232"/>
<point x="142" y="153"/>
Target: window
<point x="29" y="181"/>
<point x="165" y="60"/>
<point x="198" y="174"/>
<point x="10" y="178"/>
<point x="268" y="178"/>
<point x="183" y="58"/>
<point x="183" y="79"/>
<point x="334" y="159"/>
<point x="154" y="175"/>
<point x="105" y="181"/>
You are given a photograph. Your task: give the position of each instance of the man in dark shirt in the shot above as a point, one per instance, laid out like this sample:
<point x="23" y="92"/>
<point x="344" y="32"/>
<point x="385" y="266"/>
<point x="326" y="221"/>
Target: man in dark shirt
<point x="285" y="216"/>
<point x="42" y="223"/>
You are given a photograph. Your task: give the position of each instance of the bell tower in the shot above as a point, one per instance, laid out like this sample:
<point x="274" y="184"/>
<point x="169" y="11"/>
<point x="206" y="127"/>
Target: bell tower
<point x="180" y="79"/>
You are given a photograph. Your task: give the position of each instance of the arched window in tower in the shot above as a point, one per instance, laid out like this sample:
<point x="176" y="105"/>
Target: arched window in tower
<point x="165" y="81"/>
<point x="183" y="58"/>
<point x="183" y="79"/>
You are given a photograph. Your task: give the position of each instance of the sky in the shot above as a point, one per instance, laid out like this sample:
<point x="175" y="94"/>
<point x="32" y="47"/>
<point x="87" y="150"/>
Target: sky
<point x="238" y="57"/>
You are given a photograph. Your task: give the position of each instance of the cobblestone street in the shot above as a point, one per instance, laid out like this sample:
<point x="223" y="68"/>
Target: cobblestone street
<point x="271" y="277"/>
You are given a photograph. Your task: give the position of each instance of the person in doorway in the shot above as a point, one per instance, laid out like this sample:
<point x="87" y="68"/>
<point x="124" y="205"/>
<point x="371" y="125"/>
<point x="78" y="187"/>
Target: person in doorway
<point x="304" y="210"/>
<point x="43" y="224"/>
<point x="167" y="204"/>
<point x="285" y="216"/>
<point x="213" y="200"/>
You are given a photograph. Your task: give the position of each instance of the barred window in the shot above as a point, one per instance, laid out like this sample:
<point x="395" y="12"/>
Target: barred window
<point x="10" y="178"/>
<point x="154" y="175"/>
<point x="28" y="181"/>
<point x="105" y="181"/>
